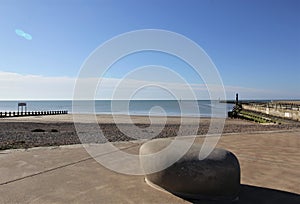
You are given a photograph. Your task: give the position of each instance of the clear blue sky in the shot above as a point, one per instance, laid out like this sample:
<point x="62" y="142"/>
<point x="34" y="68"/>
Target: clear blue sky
<point x="254" y="44"/>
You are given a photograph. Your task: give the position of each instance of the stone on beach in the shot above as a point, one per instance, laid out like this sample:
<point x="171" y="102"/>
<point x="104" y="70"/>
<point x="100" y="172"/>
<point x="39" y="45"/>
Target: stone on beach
<point x="216" y="177"/>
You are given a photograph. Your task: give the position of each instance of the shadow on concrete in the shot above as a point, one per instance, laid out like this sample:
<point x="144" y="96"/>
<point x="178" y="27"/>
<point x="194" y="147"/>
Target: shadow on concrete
<point x="258" y="195"/>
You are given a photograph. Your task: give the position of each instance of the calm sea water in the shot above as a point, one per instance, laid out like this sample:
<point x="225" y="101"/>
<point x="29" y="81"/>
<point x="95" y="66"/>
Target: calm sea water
<point x="135" y="107"/>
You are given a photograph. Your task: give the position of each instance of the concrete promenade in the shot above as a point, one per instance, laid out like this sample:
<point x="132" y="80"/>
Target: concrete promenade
<point x="270" y="167"/>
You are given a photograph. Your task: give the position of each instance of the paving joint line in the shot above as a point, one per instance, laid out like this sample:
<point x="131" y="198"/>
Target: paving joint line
<point x="63" y="166"/>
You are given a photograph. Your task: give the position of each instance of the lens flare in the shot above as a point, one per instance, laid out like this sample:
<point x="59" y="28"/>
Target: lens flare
<point x="21" y="33"/>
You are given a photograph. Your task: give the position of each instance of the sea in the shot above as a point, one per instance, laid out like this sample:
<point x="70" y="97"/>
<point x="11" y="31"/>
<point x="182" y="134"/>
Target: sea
<point x="200" y="108"/>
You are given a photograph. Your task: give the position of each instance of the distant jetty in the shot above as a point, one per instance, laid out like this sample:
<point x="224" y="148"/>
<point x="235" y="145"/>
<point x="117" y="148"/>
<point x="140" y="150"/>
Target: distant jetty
<point x="265" y="111"/>
<point x="282" y="109"/>
<point x="22" y="111"/>
<point x="31" y="113"/>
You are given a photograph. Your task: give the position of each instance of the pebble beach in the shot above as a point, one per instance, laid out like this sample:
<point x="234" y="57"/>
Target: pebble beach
<point x="27" y="132"/>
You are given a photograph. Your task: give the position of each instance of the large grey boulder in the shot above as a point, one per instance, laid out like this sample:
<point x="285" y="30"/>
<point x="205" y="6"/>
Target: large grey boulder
<point x="217" y="177"/>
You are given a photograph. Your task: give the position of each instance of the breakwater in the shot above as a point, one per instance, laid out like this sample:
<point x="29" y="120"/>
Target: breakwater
<point x="31" y="113"/>
<point x="283" y="109"/>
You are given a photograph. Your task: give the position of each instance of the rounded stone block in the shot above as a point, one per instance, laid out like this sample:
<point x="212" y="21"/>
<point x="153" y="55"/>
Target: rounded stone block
<point x="217" y="177"/>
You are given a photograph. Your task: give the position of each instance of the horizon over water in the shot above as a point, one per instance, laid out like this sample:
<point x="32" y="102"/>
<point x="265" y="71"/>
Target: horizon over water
<point x="135" y="107"/>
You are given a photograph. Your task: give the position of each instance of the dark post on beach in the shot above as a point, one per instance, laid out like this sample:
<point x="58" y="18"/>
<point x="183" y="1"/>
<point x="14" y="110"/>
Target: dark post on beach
<point x="236" y="99"/>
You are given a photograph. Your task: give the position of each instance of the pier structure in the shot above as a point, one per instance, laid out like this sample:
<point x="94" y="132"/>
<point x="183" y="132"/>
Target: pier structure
<point x="283" y="109"/>
<point x="265" y="111"/>
<point x="30" y="113"/>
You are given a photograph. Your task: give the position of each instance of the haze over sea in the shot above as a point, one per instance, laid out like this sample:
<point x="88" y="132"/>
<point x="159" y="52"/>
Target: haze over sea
<point x="135" y="107"/>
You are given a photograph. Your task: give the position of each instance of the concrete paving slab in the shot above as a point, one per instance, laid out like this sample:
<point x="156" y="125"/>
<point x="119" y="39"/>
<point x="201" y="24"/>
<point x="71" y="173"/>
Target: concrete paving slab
<point x="67" y="174"/>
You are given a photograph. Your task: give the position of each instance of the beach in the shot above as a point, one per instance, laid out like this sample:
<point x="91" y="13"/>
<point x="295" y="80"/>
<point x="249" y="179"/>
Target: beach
<point x="42" y="160"/>
<point x="150" y="102"/>
<point x="268" y="156"/>
<point x="34" y="131"/>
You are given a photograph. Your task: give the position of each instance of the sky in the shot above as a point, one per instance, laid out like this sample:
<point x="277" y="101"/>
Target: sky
<point x="255" y="45"/>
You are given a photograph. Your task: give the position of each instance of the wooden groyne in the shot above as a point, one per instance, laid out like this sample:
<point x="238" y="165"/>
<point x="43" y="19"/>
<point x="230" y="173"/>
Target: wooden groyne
<point x="31" y="113"/>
